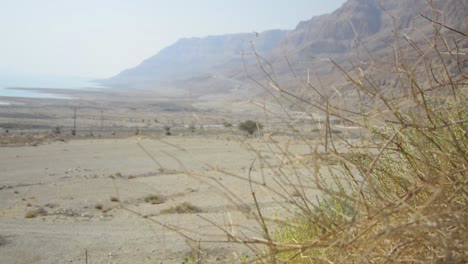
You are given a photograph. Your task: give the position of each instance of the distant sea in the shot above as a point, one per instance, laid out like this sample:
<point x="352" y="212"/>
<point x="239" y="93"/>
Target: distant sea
<point x="41" y="82"/>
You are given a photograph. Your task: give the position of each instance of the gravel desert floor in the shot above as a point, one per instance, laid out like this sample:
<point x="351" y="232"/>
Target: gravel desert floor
<point x="90" y="200"/>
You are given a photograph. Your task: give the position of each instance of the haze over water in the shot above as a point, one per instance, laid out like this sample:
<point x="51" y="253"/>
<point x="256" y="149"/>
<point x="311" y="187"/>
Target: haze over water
<point x="41" y="82"/>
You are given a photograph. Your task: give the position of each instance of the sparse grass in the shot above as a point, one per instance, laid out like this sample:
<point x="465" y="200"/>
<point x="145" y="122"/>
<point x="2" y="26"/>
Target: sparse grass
<point x="154" y="199"/>
<point x="183" y="208"/>
<point x="35" y="213"/>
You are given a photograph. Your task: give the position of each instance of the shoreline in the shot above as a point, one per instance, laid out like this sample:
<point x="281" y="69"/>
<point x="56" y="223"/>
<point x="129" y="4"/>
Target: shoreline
<point x="45" y="93"/>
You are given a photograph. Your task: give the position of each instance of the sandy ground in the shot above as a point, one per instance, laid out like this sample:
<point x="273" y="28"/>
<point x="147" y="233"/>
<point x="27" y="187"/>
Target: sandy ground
<point x="73" y="182"/>
<point x="72" y="199"/>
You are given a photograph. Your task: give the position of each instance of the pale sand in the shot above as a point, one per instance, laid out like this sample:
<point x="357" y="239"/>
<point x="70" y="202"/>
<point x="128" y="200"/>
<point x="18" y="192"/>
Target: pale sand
<point x="68" y="179"/>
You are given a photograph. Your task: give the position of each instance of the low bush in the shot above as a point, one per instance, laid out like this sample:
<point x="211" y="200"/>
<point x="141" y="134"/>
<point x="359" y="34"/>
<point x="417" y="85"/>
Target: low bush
<point x="154" y="199"/>
<point x="183" y="208"/>
<point x="35" y="213"/>
<point x="250" y="126"/>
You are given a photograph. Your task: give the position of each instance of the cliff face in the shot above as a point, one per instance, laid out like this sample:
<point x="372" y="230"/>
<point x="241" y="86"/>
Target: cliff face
<point x="334" y="33"/>
<point x="216" y="64"/>
<point x="372" y="22"/>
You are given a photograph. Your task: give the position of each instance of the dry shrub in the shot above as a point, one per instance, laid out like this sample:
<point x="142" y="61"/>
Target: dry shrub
<point x="154" y="199"/>
<point x="396" y="186"/>
<point x="408" y="206"/>
<point x="3" y="241"/>
<point x="183" y="208"/>
<point x="35" y="213"/>
<point x="398" y="193"/>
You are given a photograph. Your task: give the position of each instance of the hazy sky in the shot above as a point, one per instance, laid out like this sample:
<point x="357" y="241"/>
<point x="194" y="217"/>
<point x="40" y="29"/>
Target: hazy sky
<point x="99" y="38"/>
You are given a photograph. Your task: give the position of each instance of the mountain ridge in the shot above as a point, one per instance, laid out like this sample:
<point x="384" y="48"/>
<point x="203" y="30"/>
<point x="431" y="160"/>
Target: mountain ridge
<point x="190" y="57"/>
<point x="200" y="64"/>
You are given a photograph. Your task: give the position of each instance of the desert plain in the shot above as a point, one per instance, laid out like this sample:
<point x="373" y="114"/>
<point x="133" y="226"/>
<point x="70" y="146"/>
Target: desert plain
<point x="110" y="193"/>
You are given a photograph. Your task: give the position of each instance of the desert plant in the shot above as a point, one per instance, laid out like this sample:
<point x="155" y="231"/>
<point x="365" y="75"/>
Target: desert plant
<point x="3" y="240"/>
<point x="168" y="130"/>
<point x="57" y="130"/>
<point x="35" y="213"/>
<point x="183" y="208"/>
<point x="154" y="199"/>
<point x="405" y="201"/>
<point x="394" y="191"/>
<point x="227" y="124"/>
<point x="397" y="192"/>
<point x="250" y="126"/>
<point x="192" y="128"/>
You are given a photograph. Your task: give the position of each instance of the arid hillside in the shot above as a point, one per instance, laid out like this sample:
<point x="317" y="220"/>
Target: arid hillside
<point x="358" y="35"/>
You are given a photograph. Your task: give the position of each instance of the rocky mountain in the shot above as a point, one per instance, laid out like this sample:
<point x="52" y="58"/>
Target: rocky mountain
<point x="195" y="58"/>
<point x="371" y="22"/>
<point x="216" y="64"/>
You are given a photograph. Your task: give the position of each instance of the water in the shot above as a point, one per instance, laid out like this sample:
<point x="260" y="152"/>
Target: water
<point x="42" y="82"/>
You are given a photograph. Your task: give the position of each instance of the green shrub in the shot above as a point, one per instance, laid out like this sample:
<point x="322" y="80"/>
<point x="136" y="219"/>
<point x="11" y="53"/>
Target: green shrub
<point x="192" y="128"/>
<point x="250" y="126"/>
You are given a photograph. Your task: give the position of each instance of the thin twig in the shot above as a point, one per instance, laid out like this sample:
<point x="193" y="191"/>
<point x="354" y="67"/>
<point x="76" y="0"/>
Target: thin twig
<point x="443" y="25"/>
